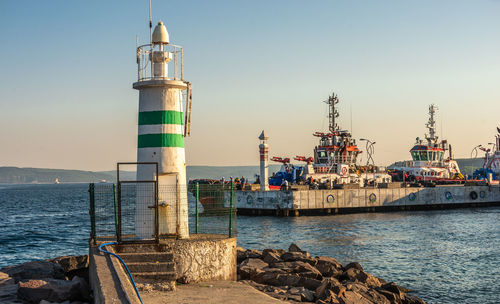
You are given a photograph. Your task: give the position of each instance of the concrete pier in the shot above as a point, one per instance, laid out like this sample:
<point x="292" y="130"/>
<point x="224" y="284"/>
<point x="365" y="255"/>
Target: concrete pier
<point x="309" y="202"/>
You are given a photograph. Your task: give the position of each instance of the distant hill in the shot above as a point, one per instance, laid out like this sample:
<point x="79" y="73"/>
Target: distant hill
<point x="15" y="175"/>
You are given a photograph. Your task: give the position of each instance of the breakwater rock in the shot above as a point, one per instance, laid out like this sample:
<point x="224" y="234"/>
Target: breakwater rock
<point x="59" y="280"/>
<point x="296" y="276"/>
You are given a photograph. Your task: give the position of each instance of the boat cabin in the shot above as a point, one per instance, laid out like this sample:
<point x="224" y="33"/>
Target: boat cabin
<point x="336" y="147"/>
<point x="426" y="153"/>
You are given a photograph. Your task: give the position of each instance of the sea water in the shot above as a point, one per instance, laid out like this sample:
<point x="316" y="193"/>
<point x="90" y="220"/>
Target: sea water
<point x="449" y="256"/>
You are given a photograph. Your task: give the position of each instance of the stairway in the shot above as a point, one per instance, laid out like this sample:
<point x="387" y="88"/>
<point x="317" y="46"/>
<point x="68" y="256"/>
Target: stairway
<point x="148" y="263"/>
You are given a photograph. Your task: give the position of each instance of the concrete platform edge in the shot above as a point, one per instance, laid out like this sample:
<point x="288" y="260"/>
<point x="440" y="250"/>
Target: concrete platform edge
<point x="108" y="280"/>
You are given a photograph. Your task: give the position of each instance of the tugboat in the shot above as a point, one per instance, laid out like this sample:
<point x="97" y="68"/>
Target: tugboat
<point x="491" y="166"/>
<point x="429" y="166"/>
<point x="334" y="160"/>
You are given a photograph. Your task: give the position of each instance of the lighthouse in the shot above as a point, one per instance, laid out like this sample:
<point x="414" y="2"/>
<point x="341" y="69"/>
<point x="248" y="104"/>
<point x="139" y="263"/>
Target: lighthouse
<point x="264" y="162"/>
<point x="162" y="127"/>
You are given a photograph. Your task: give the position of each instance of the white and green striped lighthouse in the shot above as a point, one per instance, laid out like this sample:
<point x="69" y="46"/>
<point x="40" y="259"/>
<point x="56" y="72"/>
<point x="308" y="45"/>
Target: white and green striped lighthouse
<point x="162" y="128"/>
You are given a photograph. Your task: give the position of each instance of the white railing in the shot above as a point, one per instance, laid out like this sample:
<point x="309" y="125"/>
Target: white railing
<point x="145" y="64"/>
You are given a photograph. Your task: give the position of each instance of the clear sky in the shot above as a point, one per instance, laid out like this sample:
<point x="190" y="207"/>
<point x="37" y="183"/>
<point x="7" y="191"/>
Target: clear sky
<point x="67" y="68"/>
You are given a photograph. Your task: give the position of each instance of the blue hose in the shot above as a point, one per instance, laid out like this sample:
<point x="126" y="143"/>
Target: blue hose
<point x="123" y="263"/>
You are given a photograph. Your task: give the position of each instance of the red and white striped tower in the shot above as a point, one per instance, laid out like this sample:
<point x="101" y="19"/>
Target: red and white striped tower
<point x="264" y="162"/>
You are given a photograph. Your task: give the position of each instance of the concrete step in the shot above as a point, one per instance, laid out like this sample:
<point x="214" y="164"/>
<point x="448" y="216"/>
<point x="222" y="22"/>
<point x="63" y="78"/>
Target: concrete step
<point x="153" y="277"/>
<point x="147" y="257"/>
<point x="151" y="267"/>
<point x="128" y="248"/>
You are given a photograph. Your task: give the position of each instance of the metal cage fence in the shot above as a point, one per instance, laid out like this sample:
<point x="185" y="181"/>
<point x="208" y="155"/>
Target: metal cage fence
<point x="214" y="210"/>
<point x="103" y="211"/>
<point x="126" y="212"/>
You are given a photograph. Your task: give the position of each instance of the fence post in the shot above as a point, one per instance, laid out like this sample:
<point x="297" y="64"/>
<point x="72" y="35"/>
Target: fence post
<point x="92" y="214"/>
<point x="231" y="209"/>
<point x="119" y="230"/>
<point x="197" y="197"/>
<point x="115" y="204"/>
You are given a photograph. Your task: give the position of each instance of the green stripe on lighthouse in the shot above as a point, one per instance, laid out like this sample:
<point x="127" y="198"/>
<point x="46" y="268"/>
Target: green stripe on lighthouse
<point x="160" y="118"/>
<point x="160" y="140"/>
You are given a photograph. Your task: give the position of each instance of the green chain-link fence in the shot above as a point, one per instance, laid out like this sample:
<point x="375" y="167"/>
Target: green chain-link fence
<point x="214" y="209"/>
<point x="113" y="210"/>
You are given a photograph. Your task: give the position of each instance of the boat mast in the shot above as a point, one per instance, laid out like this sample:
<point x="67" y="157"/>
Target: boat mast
<point x="431" y="125"/>
<point x="332" y="113"/>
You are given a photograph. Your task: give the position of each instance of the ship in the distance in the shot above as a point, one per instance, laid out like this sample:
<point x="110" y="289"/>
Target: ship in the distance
<point x="334" y="161"/>
<point x="429" y="163"/>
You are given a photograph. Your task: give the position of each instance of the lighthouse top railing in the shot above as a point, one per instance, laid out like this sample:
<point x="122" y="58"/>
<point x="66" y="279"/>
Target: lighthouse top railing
<point x="175" y="67"/>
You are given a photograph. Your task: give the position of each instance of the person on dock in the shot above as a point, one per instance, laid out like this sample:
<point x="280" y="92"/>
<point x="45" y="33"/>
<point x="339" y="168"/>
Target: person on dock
<point x="284" y="185"/>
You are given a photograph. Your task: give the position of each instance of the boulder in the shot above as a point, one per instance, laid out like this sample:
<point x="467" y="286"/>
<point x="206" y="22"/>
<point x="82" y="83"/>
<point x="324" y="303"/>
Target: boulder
<point x="302" y="268"/>
<point x="309" y="283"/>
<point x="357" y="287"/>
<point x="247" y="254"/>
<point x="382" y="281"/>
<point x="249" y="273"/>
<point x="8" y="293"/>
<point x="322" y="291"/>
<point x="306" y="295"/>
<point x="53" y="290"/>
<point x="279" y="252"/>
<point x="294" y="248"/>
<point x="85" y="288"/>
<point x="73" y="265"/>
<point x="275" y="292"/>
<point x="329" y="300"/>
<point x="411" y="299"/>
<point x="394" y="288"/>
<point x="253" y="263"/>
<point x="374" y="297"/>
<point x="298" y="256"/>
<point x="289" y="280"/>
<point x="337" y="291"/>
<point x="271" y="257"/>
<point x="354" y="274"/>
<point x="392" y="297"/>
<point x="328" y="267"/>
<point x="311" y="274"/>
<point x="269" y="277"/>
<point x="350" y="297"/>
<point x="355" y="265"/>
<point x="5" y="279"/>
<point x="292" y="256"/>
<point x="240" y="254"/>
<point x="34" y="270"/>
<point x="285" y="266"/>
<point x="293" y="297"/>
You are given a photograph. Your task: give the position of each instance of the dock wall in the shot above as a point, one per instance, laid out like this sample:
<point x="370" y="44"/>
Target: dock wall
<point x="364" y="199"/>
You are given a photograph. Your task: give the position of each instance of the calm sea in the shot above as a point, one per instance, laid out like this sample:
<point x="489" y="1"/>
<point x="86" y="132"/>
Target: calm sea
<point x="450" y="256"/>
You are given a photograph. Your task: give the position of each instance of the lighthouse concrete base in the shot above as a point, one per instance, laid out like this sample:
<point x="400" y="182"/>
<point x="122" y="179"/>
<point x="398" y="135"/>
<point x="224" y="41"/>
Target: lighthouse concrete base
<point x="204" y="257"/>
